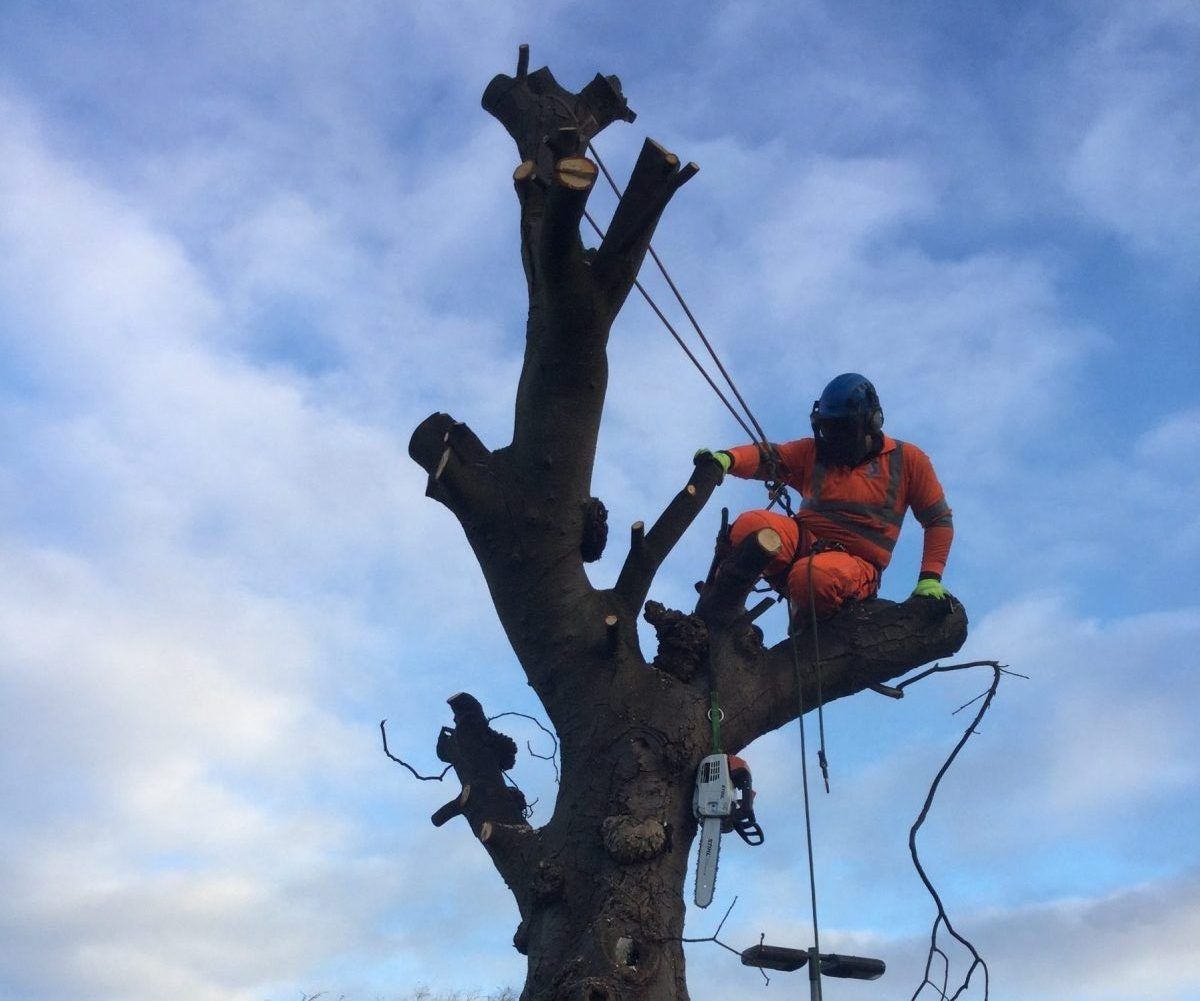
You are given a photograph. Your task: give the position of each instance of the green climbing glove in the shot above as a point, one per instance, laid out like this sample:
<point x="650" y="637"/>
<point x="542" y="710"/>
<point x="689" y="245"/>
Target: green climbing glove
<point x="722" y="459"/>
<point x="930" y="587"/>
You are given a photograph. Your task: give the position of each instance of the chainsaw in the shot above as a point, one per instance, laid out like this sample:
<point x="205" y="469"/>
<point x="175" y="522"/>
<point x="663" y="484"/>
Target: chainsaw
<point x="723" y="802"/>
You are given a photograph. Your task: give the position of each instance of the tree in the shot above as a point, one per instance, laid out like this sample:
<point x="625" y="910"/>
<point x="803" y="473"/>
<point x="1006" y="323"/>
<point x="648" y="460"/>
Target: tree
<point x="600" y="886"/>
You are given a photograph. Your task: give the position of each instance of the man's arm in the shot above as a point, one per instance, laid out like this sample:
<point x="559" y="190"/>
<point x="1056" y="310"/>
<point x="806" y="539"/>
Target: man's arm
<point x="789" y="462"/>
<point x="928" y="503"/>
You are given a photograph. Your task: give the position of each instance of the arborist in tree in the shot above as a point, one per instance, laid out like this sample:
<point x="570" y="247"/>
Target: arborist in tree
<point x="856" y="484"/>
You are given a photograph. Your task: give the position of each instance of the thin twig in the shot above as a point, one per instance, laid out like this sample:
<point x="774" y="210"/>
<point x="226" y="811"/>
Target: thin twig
<point x="714" y="938"/>
<point x="939" y="669"/>
<point x="942" y="918"/>
<point x="423" y="778"/>
<point x="552" y="757"/>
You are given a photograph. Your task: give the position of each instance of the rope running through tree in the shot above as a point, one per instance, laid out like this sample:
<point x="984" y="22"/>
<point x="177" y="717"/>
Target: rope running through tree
<point x="778" y="494"/>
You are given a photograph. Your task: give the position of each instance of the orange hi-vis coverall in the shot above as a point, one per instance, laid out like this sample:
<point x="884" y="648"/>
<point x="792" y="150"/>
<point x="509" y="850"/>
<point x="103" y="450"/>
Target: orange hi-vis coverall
<point x="849" y="520"/>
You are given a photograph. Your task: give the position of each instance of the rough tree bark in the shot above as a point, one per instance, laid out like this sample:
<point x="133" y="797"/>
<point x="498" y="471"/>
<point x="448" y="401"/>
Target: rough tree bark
<point x="600" y="886"/>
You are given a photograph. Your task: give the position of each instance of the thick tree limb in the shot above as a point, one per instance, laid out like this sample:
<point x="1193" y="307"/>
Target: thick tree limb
<point x="864" y="645"/>
<point x="648" y="550"/>
<point x="515" y="850"/>
<point x="560" y="249"/>
<point x="656" y="177"/>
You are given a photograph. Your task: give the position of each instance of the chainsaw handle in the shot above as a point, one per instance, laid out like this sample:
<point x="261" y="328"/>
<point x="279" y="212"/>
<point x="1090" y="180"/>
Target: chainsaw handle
<point x="750" y="832"/>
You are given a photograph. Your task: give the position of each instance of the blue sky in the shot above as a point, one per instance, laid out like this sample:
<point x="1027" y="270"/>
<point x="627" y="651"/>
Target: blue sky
<point x="246" y="248"/>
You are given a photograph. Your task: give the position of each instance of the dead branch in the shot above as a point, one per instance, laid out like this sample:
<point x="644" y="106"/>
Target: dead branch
<point x="942" y="919"/>
<point x="399" y="761"/>
<point x="552" y="757"/>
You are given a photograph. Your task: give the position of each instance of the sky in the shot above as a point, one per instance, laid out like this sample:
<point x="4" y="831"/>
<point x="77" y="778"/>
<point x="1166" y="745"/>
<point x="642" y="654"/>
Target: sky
<point x="245" y="248"/>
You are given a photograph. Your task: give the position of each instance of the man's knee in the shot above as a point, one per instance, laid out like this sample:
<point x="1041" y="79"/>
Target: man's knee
<point x="749" y="522"/>
<point x="826" y="581"/>
<point x="812" y="587"/>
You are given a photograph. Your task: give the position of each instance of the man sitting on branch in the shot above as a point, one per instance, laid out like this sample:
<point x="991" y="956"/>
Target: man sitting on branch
<point x="856" y="483"/>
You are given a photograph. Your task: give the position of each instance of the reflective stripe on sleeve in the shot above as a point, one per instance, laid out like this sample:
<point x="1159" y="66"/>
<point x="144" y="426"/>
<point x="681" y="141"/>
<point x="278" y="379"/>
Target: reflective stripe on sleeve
<point x="897" y="462"/>
<point x="934" y="513"/>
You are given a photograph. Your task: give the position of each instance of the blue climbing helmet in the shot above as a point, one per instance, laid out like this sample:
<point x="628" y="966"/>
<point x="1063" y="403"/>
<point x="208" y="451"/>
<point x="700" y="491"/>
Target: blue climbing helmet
<point x="847" y="420"/>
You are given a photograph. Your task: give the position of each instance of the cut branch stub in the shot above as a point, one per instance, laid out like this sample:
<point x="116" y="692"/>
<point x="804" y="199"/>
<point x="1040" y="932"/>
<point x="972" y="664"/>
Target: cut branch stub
<point x="452" y="809"/>
<point x="560" y="246"/>
<point x="448" y="450"/>
<point x="525" y="174"/>
<point x="650" y="186"/>
<point x="724" y="599"/>
<point x="656" y="177"/>
<point x="576" y="172"/>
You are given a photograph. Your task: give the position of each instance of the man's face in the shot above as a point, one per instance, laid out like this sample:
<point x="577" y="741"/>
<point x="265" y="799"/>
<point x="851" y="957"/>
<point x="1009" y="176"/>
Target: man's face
<point x="841" y="441"/>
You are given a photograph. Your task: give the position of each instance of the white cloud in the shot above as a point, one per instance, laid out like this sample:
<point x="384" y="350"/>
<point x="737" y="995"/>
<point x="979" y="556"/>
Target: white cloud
<point x="1135" y="162"/>
<point x="190" y="541"/>
<point x="221" y="322"/>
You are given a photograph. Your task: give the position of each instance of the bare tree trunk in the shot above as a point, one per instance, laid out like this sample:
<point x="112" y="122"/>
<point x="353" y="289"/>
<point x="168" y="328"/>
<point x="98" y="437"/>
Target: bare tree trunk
<point x="600" y="887"/>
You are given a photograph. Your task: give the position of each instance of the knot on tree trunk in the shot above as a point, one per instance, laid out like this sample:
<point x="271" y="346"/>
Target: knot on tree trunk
<point x="682" y="640"/>
<point x="628" y="840"/>
<point x="521" y="938"/>
<point x="595" y="530"/>
<point x="548" y="882"/>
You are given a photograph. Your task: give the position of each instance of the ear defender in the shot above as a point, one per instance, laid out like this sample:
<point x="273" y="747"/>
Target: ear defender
<point x="875" y="421"/>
